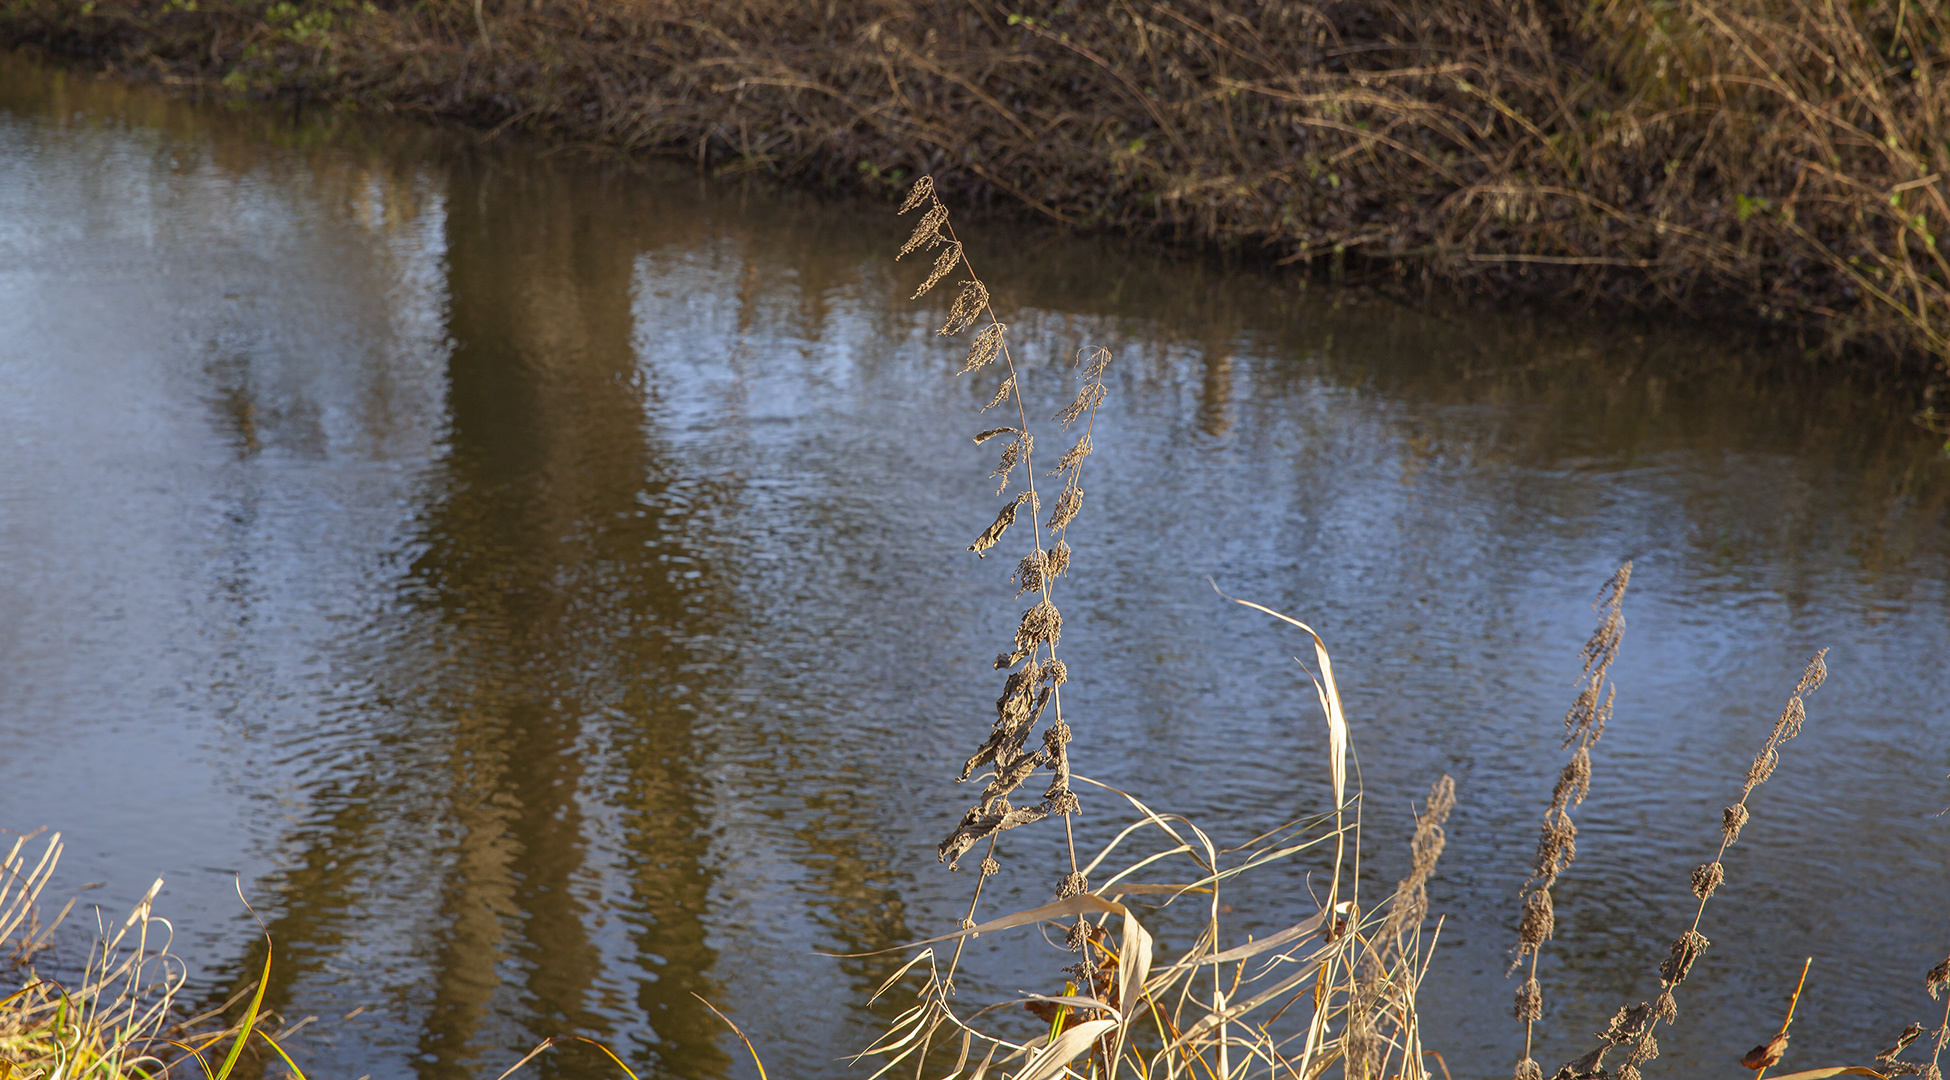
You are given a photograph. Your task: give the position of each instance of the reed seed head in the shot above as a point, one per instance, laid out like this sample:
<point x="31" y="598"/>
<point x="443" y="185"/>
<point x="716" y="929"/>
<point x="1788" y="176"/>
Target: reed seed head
<point x="1937" y="979"/>
<point x="1001" y="393"/>
<point x="1707" y="878"/>
<point x="968" y="305"/>
<point x="1763" y="766"/>
<point x="1686" y="950"/>
<point x="922" y="190"/>
<point x="990" y="867"/>
<point x="1056" y="673"/>
<point x="1056" y="560"/>
<point x="1012" y="455"/>
<point x="1789" y="725"/>
<point x="1664" y="1007"/>
<point x="1530" y="1001"/>
<point x="1732" y="820"/>
<point x="1073" y="456"/>
<point x="1528" y="1069"/>
<point x="1073" y="884"/>
<point x="1088" y="398"/>
<point x="1589" y="1067"/>
<point x="983" y="351"/>
<point x="1815" y="674"/>
<point x="1557" y="846"/>
<point x="1574" y="783"/>
<point x="927" y="231"/>
<point x="1645" y="1050"/>
<point x="1078" y="937"/>
<point x="943" y="264"/>
<point x="1630" y="1022"/>
<point x="993" y="534"/>
<point x="1538" y="923"/>
<point x="1041" y="625"/>
<point x="1067" y="505"/>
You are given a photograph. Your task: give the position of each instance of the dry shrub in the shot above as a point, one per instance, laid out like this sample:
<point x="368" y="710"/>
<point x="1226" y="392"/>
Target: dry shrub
<point x="1787" y="153"/>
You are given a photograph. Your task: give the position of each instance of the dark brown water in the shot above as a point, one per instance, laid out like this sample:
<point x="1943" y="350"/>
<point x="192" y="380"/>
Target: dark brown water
<point x="543" y="586"/>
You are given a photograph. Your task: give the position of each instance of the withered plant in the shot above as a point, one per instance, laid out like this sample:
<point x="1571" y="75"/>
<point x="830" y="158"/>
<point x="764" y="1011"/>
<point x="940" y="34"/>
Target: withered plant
<point x="1558" y="844"/>
<point x="1348" y="975"/>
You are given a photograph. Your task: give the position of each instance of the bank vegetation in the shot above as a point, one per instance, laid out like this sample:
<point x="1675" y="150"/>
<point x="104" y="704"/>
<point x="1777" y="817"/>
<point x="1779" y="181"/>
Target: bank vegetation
<point x="1786" y="158"/>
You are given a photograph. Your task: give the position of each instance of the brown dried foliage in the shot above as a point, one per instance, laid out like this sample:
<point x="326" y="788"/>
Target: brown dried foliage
<point x="1787" y="153"/>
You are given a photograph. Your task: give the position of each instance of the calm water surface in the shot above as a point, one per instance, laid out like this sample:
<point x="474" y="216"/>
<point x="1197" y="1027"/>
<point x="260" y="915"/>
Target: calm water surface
<point x="544" y="588"/>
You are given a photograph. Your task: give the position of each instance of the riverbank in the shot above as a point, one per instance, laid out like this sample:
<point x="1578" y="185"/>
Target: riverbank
<point x="1784" y="157"/>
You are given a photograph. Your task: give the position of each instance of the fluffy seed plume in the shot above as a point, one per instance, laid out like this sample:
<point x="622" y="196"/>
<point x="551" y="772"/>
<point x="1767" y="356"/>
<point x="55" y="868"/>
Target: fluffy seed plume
<point x="1686" y="950"/>
<point x="968" y="305"/>
<point x="983" y="351"/>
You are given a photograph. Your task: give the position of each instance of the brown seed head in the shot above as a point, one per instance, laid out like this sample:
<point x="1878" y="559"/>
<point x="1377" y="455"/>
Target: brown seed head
<point x="1056" y="560"/>
<point x="1528" y="1070"/>
<point x="1732" y="819"/>
<point x="1041" y="625"/>
<point x="984" y="349"/>
<point x="1814" y="676"/>
<point x="920" y="191"/>
<point x="1557" y="846"/>
<point x="1078" y="937"/>
<point x="993" y="534"/>
<point x="1665" y="1008"/>
<point x="943" y="263"/>
<point x="1538" y="923"/>
<point x="1627" y="1024"/>
<point x="1067" y="505"/>
<point x="1530" y="1001"/>
<point x="1645" y="1050"/>
<point x="1678" y="964"/>
<point x="1001" y="393"/>
<point x="1589" y="1067"/>
<point x="1763" y="766"/>
<point x="1707" y="878"/>
<point x="1073" y="884"/>
<point x="990" y="867"/>
<point x="1789" y="725"/>
<point x="927" y="231"/>
<point x="968" y="305"/>
<point x="1574" y="783"/>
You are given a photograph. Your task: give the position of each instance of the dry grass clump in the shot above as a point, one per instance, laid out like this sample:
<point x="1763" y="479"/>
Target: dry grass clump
<point x="114" y="1020"/>
<point x="1348" y="975"/>
<point x="1787" y="154"/>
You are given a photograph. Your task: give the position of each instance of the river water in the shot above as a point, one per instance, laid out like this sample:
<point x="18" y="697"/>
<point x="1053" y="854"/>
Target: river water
<point x="541" y="587"/>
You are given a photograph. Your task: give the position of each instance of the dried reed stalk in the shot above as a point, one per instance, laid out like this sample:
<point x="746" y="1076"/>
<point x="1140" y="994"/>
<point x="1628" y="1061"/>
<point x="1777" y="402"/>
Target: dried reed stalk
<point x="1634" y="1025"/>
<point x="1584" y="724"/>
